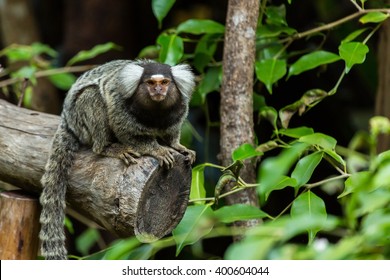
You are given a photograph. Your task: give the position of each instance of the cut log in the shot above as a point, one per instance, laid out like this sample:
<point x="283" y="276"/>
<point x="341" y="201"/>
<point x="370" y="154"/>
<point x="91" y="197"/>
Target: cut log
<point x="141" y="199"/>
<point x="19" y="226"/>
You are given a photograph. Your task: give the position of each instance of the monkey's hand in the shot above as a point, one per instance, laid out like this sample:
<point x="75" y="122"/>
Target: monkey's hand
<point x="165" y="156"/>
<point x="123" y="152"/>
<point x="189" y="154"/>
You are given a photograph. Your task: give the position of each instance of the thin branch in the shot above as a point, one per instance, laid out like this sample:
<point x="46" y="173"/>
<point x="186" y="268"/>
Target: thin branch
<point x="319" y="183"/>
<point x="356" y="5"/>
<point x="48" y="72"/>
<point x="332" y="24"/>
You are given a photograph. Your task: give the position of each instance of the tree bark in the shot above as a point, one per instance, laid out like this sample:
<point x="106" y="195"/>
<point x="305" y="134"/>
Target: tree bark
<point x="141" y="199"/>
<point x="382" y="107"/>
<point x="237" y="90"/>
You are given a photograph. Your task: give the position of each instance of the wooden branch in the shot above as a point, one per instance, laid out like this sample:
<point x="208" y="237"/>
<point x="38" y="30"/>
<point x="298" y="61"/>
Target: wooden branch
<point x="141" y="199"/>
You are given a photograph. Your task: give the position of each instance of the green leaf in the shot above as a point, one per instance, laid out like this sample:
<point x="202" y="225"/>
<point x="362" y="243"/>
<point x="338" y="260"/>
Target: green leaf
<point x="270" y="31"/>
<point x="39" y="48"/>
<point x="86" y="240"/>
<point x="336" y="157"/>
<point x="239" y="212"/>
<point x="149" y="52"/>
<point x="269" y="71"/>
<point x="195" y="224"/>
<point x="312" y="207"/>
<point x="354" y="35"/>
<point x="200" y="26"/>
<point x="245" y="151"/>
<point x="121" y="249"/>
<point x="161" y="8"/>
<point x="26" y="72"/>
<point x="296" y="132"/>
<point x="63" y="80"/>
<point x="305" y="168"/>
<point x="356" y="181"/>
<point x="272" y="169"/>
<point x="250" y="249"/>
<point x="211" y="82"/>
<point x="172" y="48"/>
<point x="95" y="51"/>
<point x="270" y="114"/>
<point x="276" y="15"/>
<point x="374" y="17"/>
<point x="352" y="53"/>
<point x="311" y="61"/>
<point x="197" y="184"/>
<point x="205" y="50"/>
<point x="284" y="182"/>
<point x="319" y="139"/>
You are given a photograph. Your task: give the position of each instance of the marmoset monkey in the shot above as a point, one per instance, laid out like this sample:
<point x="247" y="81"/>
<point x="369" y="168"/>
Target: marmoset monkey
<point x="123" y="109"/>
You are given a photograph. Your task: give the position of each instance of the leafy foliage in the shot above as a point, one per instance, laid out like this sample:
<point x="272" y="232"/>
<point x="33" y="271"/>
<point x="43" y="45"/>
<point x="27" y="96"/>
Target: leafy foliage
<point x="289" y="159"/>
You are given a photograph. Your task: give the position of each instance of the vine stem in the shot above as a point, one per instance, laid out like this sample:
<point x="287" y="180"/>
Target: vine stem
<point x="333" y="24"/>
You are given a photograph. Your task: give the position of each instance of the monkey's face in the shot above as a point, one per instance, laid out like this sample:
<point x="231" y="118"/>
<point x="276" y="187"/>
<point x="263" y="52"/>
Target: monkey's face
<point x="158" y="87"/>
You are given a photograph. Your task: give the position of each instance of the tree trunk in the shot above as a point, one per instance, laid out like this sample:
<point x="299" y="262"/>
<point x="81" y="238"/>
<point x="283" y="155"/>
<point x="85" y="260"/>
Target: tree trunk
<point x="141" y="199"/>
<point x="237" y="90"/>
<point x="382" y="107"/>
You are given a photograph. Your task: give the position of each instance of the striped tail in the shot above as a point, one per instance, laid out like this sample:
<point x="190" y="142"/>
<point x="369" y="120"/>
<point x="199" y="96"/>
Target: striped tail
<point x="53" y="197"/>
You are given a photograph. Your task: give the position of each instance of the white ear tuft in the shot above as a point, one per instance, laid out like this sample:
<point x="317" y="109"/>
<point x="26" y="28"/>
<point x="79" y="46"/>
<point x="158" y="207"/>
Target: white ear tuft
<point x="129" y="77"/>
<point x="184" y="79"/>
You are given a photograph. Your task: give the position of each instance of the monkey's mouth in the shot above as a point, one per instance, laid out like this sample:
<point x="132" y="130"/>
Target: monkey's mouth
<point x="158" y="97"/>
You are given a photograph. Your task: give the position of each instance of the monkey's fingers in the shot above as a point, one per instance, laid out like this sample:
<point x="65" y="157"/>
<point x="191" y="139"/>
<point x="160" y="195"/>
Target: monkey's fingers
<point x="127" y="158"/>
<point x="166" y="157"/>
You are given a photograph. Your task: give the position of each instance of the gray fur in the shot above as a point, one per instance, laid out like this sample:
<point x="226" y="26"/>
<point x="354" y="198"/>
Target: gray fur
<point x="108" y="110"/>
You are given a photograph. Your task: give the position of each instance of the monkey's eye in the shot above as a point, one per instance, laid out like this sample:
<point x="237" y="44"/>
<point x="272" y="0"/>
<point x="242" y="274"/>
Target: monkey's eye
<point x="150" y="82"/>
<point x="165" y="82"/>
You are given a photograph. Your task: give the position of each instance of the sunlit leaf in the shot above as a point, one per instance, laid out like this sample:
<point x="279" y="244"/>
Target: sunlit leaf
<point x="63" y="80"/>
<point x="95" y="51"/>
<point x="311" y="61"/>
<point x="245" y="151"/>
<point x="197" y="184"/>
<point x="195" y="224"/>
<point x="354" y="35"/>
<point x="269" y="71"/>
<point x="374" y="17"/>
<point x="319" y="139"/>
<point x="121" y="249"/>
<point x="296" y="132"/>
<point x="353" y="53"/>
<point x="238" y="212"/>
<point x="172" y="48"/>
<point x="200" y="26"/>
